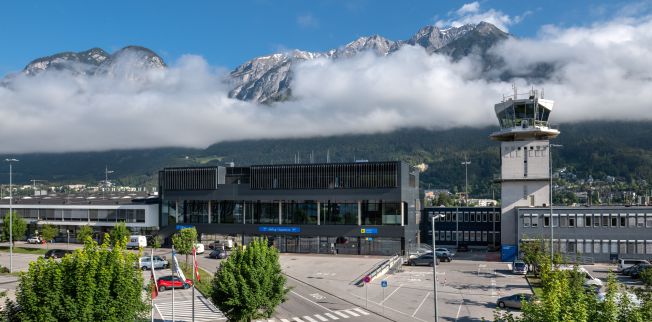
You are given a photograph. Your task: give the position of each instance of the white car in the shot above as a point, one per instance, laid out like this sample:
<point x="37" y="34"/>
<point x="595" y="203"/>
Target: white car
<point x="34" y="240"/>
<point x="590" y="280"/>
<point x="444" y="252"/>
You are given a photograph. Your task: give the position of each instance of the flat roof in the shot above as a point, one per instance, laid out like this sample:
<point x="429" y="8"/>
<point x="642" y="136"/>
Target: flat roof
<point x="109" y="198"/>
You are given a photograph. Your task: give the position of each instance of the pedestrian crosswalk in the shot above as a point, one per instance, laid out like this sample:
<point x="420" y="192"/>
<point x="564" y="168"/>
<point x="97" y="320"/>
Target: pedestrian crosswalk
<point x="323" y="317"/>
<point x="205" y="311"/>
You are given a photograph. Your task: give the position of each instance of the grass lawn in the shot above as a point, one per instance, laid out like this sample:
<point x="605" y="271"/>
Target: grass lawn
<point x="205" y="283"/>
<point x="535" y="284"/>
<point x="24" y="250"/>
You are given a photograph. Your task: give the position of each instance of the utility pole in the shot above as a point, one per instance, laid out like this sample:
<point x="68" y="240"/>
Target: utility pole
<point x="552" y="220"/>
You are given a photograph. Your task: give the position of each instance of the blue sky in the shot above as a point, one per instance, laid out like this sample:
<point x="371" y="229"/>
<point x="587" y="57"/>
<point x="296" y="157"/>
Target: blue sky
<point x="227" y="33"/>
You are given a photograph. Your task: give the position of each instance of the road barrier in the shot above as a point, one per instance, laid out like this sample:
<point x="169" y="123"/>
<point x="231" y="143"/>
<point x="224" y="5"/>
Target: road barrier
<point x="379" y="270"/>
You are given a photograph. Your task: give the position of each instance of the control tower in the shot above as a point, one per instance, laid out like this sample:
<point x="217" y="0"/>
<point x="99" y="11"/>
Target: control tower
<point x="525" y="159"/>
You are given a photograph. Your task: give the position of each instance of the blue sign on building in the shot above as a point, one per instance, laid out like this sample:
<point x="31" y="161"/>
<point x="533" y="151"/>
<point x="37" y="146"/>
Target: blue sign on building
<point x="179" y="227"/>
<point x="372" y="231"/>
<point x="273" y="229"/>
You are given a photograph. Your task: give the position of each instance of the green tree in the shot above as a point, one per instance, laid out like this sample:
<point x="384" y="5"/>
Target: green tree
<point x="120" y="233"/>
<point x="83" y="233"/>
<point x="157" y="241"/>
<point x="48" y="232"/>
<point x="18" y="230"/>
<point x="184" y="240"/>
<point x="95" y="283"/>
<point x="249" y="284"/>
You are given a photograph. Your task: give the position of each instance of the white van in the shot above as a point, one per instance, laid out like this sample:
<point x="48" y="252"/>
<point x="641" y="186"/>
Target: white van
<point x="625" y="263"/>
<point x="137" y="241"/>
<point x="199" y="248"/>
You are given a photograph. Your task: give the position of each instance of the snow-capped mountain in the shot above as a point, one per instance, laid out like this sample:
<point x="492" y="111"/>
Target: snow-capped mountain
<point x="95" y="60"/>
<point x="268" y="79"/>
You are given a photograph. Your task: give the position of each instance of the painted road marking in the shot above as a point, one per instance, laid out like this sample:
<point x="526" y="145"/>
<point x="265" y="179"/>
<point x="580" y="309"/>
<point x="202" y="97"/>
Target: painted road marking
<point x="321" y="317"/>
<point x="331" y="316"/>
<point x="297" y="319"/>
<point x="311" y="301"/>
<point x="309" y="318"/>
<point x="351" y="313"/>
<point x="390" y="294"/>
<point x="423" y="301"/>
<point x="285" y="320"/>
<point x="362" y="311"/>
<point x="342" y="314"/>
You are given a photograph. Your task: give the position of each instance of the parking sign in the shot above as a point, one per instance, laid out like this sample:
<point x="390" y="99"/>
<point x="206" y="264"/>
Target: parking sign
<point x="383" y="283"/>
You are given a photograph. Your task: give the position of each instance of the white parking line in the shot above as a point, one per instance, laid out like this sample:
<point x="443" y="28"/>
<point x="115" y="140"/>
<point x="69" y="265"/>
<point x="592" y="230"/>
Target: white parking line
<point x="423" y="301"/>
<point x="459" y="309"/>
<point x="321" y="317"/>
<point x="390" y="294"/>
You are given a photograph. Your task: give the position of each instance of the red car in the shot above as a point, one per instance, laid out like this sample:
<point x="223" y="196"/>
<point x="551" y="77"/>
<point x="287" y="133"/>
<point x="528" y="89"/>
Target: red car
<point x="166" y="282"/>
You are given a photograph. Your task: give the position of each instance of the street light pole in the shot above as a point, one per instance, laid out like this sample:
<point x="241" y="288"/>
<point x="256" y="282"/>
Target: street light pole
<point x="434" y="264"/>
<point x="552" y="220"/>
<point x="466" y="181"/>
<point x="11" y="216"/>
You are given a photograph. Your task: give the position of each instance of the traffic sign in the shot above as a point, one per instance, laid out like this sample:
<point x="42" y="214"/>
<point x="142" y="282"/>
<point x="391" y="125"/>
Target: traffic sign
<point x="367" y="279"/>
<point x="383" y="283"/>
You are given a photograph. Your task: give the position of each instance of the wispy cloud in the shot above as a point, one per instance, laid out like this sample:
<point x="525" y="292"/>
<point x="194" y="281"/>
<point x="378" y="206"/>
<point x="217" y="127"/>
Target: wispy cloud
<point x="307" y="20"/>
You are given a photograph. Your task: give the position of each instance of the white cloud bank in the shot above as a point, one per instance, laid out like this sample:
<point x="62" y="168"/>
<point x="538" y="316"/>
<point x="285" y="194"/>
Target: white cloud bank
<point x="471" y="13"/>
<point x="601" y="72"/>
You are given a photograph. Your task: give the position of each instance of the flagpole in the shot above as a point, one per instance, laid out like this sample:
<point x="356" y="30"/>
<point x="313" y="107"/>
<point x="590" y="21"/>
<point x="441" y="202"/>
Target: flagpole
<point x="193" y="282"/>
<point x="174" y="273"/>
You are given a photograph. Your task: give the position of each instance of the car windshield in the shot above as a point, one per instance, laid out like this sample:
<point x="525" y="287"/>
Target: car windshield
<point x="519" y="264"/>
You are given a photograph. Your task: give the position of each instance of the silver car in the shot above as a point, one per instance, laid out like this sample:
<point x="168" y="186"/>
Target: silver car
<point x="514" y="301"/>
<point x="145" y="263"/>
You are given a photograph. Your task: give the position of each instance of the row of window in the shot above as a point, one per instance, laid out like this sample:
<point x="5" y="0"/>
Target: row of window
<point x="467" y="235"/>
<point x="101" y="215"/>
<point x="296" y="213"/>
<point x="466" y="216"/>
<point x="597" y="246"/>
<point x="589" y="220"/>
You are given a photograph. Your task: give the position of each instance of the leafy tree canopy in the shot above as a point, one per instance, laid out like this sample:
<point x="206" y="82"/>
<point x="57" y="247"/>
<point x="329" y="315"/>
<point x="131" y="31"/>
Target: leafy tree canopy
<point x="249" y="284"/>
<point x="19" y="227"/>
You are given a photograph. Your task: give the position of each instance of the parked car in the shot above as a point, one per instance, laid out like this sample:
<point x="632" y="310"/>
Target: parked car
<point x="199" y="248"/>
<point x="626" y="263"/>
<point x="145" y="262"/>
<point x="443" y="257"/>
<point x="425" y="259"/>
<point x="57" y="253"/>
<point x="628" y="271"/>
<point x="633" y="299"/>
<point x="519" y="267"/>
<point x="218" y="244"/>
<point x="514" y="301"/>
<point x="34" y="240"/>
<point x="589" y="280"/>
<point x="462" y="248"/>
<point x="137" y="241"/>
<point x="218" y="254"/>
<point x="416" y="252"/>
<point x="636" y="272"/>
<point x="166" y="282"/>
<point x="444" y="251"/>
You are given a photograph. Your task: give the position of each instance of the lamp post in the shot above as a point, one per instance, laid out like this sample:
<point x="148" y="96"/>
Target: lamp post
<point x="11" y="216"/>
<point x="552" y="220"/>
<point x="466" y="163"/>
<point x="434" y="264"/>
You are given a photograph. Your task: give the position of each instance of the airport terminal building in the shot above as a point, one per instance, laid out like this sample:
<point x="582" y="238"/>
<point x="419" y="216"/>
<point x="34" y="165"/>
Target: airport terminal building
<point x="348" y="208"/>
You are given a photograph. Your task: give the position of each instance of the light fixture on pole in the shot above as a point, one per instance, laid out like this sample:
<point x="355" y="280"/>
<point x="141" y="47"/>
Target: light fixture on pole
<point x="11" y="216"/>
<point x="552" y="220"/>
<point x="466" y="163"/>
<point x="434" y="264"/>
